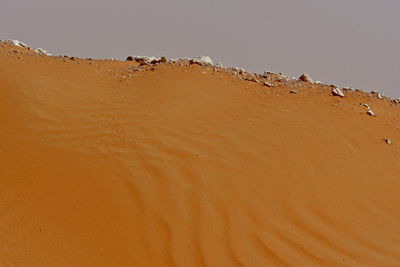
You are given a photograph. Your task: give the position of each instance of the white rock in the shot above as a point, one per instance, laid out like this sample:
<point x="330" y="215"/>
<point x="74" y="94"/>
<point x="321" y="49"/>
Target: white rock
<point x="371" y="113"/>
<point x="22" y="44"/>
<point x="388" y="141"/>
<point x="202" y="60"/>
<point x="42" y="51"/>
<point x="337" y="92"/>
<point x="367" y="106"/>
<point x="380" y="96"/>
<point x="306" y="78"/>
<point x="239" y="70"/>
<point x="16" y="43"/>
<point x="268" y="84"/>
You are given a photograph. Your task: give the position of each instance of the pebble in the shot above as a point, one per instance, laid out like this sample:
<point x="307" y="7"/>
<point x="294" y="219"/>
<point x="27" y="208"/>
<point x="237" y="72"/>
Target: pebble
<point x="388" y="141"/>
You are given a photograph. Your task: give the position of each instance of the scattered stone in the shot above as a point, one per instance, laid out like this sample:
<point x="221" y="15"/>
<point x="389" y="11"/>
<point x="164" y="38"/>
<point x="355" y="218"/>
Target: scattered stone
<point x="380" y="96"/>
<point x="337" y="92"/>
<point x="306" y="78"/>
<point x="371" y="113"/>
<point x="22" y="44"/>
<point x="293" y="91"/>
<point x="388" y="141"/>
<point x="163" y="59"/>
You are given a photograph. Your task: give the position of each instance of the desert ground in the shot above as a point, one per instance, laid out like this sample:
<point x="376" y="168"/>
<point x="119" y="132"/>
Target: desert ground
<point x="118" y="163"/>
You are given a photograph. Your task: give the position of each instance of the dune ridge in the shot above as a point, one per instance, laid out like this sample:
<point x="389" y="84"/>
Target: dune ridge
<point x="110" y="163"/>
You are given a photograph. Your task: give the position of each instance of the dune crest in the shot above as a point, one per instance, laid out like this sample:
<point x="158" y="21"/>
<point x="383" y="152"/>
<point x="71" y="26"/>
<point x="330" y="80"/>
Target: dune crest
<point x="109" y="163"/>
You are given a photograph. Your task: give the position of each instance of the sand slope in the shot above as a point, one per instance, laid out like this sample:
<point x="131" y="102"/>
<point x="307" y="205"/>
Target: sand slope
<point x="184" y="166"/>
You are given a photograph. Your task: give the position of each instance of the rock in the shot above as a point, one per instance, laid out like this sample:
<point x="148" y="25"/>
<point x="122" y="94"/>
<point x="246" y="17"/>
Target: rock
<point x="306" y="78"/>
<point x="266" y="74"/>
<point x="155" y="61"/>
<point x="163" y="59"/>
<point x="293" y="91"/>
<point x="388" y="141"/>
<point x="239" y="70"/>
<point x="380" y="96"/>
<point x="17" y="43"/>
<point x="146" y="60"/>
<point x="251" y="78"/>
<point x="201" y="60"/>
<point x="337" y="92"/>
<point x="268" y="84"/>
<point x="348" y="89"/>
<point x="366" y="105"/>
<point x="129" y="58"/>
<point x="396" y="101"/>
<point x="371" y="113"/>
<point x="41" y="51"/>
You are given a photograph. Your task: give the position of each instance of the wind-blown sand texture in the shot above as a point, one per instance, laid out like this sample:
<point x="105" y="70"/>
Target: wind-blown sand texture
<point x="186" y="166"/>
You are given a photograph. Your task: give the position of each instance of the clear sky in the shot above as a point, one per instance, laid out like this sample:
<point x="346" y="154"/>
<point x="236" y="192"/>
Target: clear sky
<point x="347" y="42"/>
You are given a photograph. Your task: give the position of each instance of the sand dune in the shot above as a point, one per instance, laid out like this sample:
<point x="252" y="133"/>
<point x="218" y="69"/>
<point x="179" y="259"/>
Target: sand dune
<point x="102" y="165"/>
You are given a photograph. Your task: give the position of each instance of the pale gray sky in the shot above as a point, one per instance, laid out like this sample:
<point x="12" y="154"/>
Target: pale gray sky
<point x="348" y="42"/>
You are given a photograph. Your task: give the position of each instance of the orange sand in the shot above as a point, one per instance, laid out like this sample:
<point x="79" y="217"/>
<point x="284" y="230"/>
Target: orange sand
<point x="176" y="167"/>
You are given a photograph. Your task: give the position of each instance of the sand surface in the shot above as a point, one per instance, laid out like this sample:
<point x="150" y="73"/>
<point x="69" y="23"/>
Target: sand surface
<point x="185" y="166"/>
